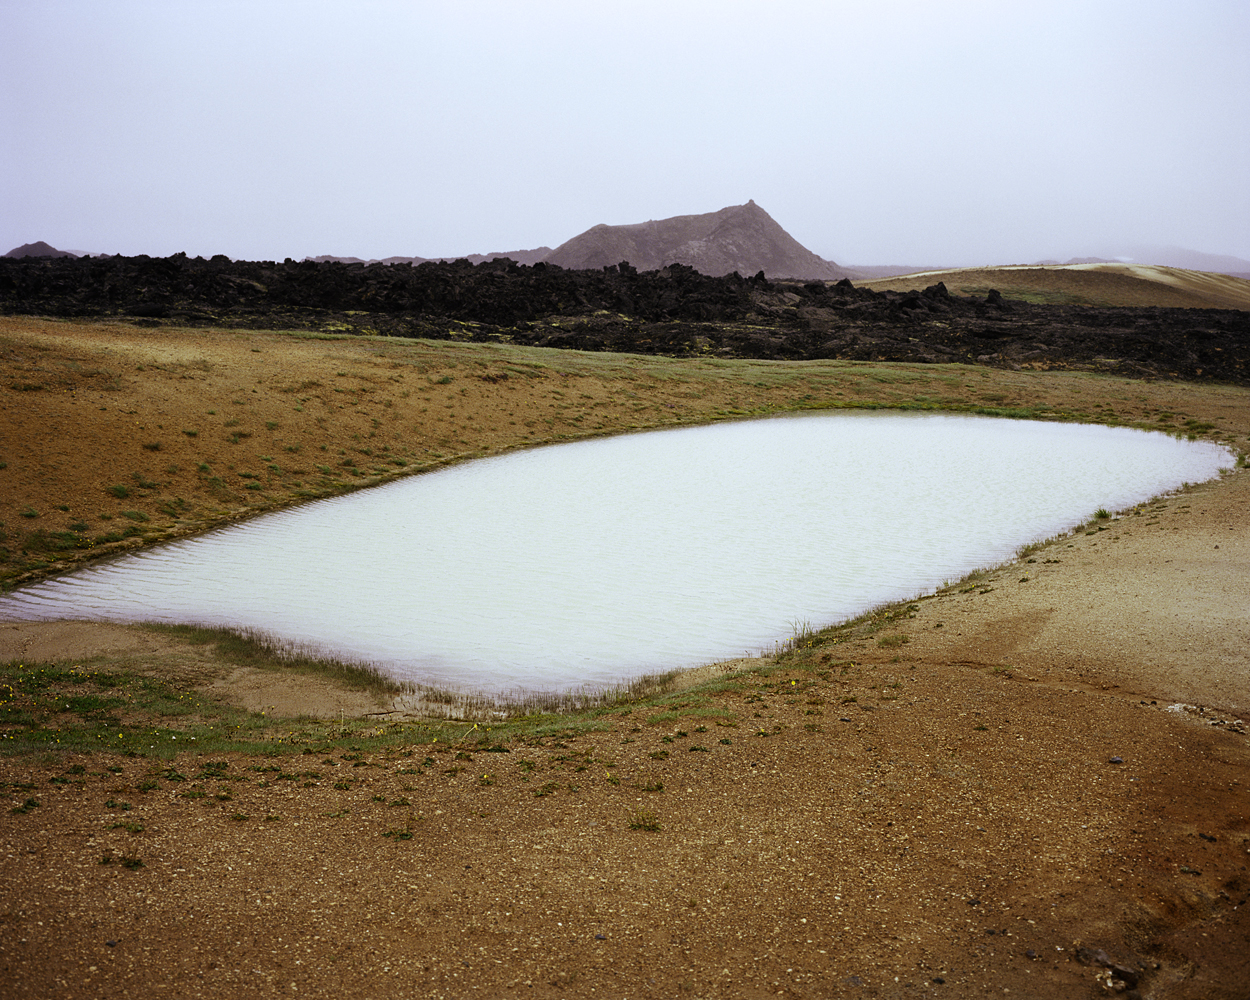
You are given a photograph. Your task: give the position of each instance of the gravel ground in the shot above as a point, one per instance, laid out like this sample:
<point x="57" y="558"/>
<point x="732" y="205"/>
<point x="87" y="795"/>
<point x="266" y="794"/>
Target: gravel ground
<point x="1009" y="802"/>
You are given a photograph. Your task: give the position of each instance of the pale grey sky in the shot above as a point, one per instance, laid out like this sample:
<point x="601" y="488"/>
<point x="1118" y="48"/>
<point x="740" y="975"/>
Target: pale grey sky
<point x="923" y="132"/>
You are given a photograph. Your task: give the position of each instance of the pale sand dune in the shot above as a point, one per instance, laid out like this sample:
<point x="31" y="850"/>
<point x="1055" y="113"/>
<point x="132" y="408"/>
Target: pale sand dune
<point x="1222" y="289"/>
<point x="1087" y="284"/>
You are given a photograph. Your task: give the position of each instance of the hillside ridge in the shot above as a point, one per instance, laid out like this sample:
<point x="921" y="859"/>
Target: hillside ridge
<point x="741" y="238"/>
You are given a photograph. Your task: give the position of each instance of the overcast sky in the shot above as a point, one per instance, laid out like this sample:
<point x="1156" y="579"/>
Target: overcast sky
<point x="878" y="132"/>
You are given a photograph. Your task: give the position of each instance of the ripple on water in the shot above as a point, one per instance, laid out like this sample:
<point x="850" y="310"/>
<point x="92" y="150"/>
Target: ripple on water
<point x="597" y="561"/>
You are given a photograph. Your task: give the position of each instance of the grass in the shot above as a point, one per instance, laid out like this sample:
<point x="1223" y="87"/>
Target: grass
<point x="645" y="819"/>
<point x="254" y="649"/>
<point x="62" y="708"/>
<point x="117" y="708"/>
<point x="75" y="708"/>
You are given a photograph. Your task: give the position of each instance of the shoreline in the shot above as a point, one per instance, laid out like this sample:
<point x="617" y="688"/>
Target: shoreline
<point x="414" y="698"/>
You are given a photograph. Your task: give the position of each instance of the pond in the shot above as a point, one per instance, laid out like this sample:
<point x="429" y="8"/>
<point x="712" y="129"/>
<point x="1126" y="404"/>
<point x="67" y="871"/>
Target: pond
<point x="594" y="562"/>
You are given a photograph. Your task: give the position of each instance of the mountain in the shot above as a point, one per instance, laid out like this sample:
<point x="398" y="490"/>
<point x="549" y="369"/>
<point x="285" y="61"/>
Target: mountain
<point x="40" y="249"/>
<point x="520" y="256"/>
<point x="742" y="238"/>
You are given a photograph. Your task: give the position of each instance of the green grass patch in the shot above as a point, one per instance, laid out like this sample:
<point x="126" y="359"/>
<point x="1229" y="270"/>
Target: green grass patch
<point x="75" y="708"/>
<point x="252" y="649"/>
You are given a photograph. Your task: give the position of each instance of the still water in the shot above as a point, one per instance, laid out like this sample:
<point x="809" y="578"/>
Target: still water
<point x="593" y="562"/>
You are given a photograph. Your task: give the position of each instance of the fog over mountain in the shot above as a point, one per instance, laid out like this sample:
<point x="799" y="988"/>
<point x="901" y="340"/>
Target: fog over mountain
<point x="962" y="133"/>
<point x="740" y="238"/>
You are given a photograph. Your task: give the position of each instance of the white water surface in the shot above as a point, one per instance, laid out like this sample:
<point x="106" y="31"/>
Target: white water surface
<point x="594" y="562"/>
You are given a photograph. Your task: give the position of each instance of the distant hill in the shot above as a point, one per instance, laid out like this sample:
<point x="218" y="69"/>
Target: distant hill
<point x="520" y="256"/>
<point x="1175" y="257"/>
<point x="742" y="238"/>
<point x="1088" y="283"/>
<point x="40" y="249"/>
<point x="1190" y="260"/>
<point x="871" y="272"/>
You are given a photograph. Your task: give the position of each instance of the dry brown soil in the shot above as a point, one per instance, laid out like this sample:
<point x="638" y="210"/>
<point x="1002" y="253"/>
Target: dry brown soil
<point x="936" y="816"/>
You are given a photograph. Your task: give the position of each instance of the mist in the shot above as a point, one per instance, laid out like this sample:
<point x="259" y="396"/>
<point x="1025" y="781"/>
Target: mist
<point x="904" y="133"/>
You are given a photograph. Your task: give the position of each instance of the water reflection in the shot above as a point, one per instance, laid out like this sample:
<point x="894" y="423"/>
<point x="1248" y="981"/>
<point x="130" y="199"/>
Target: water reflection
<point x="596" y="561"/>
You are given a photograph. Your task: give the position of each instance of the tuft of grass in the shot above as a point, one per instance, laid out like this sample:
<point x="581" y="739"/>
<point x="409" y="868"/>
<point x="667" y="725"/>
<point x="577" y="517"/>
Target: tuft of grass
<point x="252" y="648"/>
<point x="1102" y="513"/>
<point x="645" y="819"/>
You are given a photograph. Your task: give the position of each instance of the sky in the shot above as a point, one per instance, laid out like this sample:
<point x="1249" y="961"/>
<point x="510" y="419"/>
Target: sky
<point x="890" y="132"/>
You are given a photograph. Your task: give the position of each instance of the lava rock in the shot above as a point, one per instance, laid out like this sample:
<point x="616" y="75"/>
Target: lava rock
<point x="674" y="311"/>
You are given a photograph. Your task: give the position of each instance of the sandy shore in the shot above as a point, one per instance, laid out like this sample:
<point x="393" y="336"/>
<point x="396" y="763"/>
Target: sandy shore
<point x="1000" y="803"/>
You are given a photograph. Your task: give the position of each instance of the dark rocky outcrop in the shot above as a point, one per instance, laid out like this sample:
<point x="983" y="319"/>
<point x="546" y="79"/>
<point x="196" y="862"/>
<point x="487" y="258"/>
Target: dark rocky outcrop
<point x="673" y="310"/>
<point x="742" y="238"/>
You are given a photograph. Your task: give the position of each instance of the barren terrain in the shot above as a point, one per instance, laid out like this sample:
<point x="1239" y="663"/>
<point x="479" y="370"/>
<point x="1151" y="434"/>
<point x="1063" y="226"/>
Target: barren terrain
<point x="994" y="790"/>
